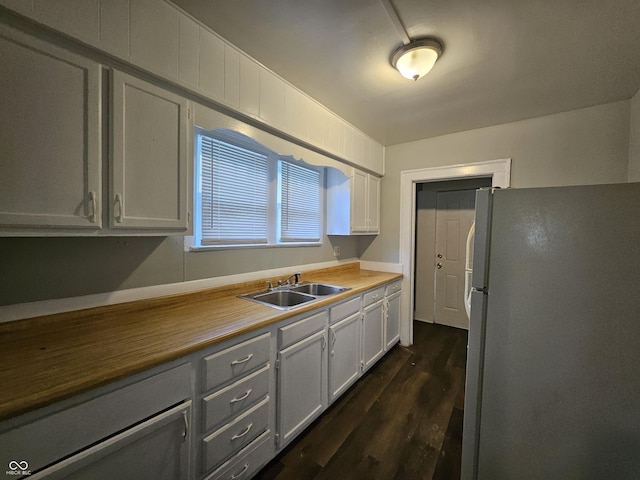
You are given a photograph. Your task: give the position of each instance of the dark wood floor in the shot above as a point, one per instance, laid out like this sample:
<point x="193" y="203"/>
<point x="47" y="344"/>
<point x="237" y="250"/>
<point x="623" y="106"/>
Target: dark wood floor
<point x="402" y="420"/>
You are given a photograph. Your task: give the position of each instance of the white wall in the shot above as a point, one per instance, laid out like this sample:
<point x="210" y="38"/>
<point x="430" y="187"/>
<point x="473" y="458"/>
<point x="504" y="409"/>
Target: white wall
<point x="634" y="139"/>
<point x="587" y="146"/>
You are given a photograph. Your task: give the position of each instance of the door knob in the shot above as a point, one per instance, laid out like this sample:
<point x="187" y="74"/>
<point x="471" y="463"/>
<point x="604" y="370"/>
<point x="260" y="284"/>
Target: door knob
<point x="439" y="255"/>
<point x="439" y="265"/>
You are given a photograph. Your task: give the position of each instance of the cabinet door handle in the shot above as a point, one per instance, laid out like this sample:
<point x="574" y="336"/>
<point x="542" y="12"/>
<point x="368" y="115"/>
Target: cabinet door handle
<point x="242" y="360"/>
<point x="239" y="399"/>
<point x="332" y="337"/>
<point x="243" y="433"/>
<point x="240" y="473"/>
<point x="92" y="207"/>
<point x="186" y="426"/>
<point x="120" y="207"/>
<point x="324" y="341"/>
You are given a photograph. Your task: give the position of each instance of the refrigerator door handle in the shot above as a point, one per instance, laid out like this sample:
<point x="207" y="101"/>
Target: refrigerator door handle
<point x="468" y="270"/>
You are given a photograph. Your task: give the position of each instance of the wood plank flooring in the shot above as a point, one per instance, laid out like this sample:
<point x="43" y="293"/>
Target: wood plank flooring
<point x="402" y="420"/>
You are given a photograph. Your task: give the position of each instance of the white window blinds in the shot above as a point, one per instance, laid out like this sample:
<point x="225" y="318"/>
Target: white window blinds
<point x="299" y="203"/>
<point x="235" y="194"/>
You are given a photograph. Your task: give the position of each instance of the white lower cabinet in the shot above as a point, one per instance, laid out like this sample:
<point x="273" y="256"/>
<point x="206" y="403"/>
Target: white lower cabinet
<point x="392" y="314"/>
<point x="345" y="335"/>
<point x="248" y="461"/>
<point x="235" y="409"/>
<point x="140" y="430"/>
<point x="302" y="377"/>
<point x="373" y="345"/>
<point x="157" y="449"/>
<point x="242" y="409"/>
<point x="344" y="354"/>
<point x="234" y="436"/>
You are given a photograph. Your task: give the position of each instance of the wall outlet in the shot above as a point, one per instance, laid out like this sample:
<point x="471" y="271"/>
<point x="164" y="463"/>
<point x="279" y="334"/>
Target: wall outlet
<point x="336" y="251"/>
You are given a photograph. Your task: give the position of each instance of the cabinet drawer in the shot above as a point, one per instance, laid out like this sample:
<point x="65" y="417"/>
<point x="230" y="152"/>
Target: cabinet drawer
<point x="235" y="361"/>
<point x="232" y="400"/>
<point x="373" y="296"/>
<point x="393" y="287"/>
<point x="61" y="434"/>
<point x="301" y="329"/>
<point x="157" y="449"/>
<point x="248" y="461"/>
<point x="344" y="309"/>
<point x="231" y="438"/>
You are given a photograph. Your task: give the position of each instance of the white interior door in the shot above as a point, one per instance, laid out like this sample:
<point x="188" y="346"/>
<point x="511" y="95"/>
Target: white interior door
<point x="454" y="217"/>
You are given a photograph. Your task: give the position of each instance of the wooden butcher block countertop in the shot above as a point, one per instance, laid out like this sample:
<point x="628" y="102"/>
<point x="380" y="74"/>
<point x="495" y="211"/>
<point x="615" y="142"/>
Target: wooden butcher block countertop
<point x="46" y="359"/>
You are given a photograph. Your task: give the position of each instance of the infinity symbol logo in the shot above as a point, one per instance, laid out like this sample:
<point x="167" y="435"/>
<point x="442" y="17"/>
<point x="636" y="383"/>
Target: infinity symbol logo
<point x="23" y="465"/>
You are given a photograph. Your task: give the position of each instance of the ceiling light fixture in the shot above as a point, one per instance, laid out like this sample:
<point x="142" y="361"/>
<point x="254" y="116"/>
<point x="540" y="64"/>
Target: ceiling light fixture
<point x="416" y="58"/>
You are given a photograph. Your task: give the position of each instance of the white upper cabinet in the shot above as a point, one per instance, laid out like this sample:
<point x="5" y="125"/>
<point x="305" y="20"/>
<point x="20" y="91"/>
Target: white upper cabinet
<point x="353" y="203"/>
<point x="155" y="27"/>
<point x="149" y="164"/>
<point x="49" y="137"/>
<point x="156" y="36"/>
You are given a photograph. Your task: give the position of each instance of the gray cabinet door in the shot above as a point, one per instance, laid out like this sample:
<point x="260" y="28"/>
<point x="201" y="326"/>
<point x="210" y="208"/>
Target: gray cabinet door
<point x="149" y="158"/>
<point x="373" y="334"/>
<point x="49" y="137"/>
<point x="392" y="326"/>
<point x="302" y="385"/>
<point x="157" y="449"/>
<point x="344" y="354"/>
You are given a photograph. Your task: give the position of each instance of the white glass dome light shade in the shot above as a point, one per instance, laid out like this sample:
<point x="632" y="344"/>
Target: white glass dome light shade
<point x="417" y="58"/>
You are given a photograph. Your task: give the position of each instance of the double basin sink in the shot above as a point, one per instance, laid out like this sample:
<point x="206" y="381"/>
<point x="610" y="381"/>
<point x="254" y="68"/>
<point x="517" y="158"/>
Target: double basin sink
<point x="291" y="296"/>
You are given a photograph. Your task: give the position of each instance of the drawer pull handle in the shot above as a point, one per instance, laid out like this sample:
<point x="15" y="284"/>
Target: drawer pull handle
<point x="240" y="473"/>
<point x="243" y="433"/>
<point x="239" y="399"/>
<point x="242" y="360"/>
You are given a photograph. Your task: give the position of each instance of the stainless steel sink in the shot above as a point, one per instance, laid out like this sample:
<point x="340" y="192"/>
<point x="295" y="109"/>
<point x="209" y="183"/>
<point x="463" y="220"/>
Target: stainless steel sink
<point x="318" y="289"/>
<point x="283" y="298"/>
<point x="291" y="296"/>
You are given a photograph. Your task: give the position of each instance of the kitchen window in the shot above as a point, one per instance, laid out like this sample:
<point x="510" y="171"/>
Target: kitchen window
<point x="248" y="195"/>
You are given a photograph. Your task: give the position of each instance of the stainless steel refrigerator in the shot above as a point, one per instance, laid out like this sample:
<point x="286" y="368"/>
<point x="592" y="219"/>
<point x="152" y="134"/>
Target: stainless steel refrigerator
<point x="553" y="368"/>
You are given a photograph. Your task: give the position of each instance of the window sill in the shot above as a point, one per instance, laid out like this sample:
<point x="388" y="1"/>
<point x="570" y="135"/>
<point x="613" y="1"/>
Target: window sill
<point x="190" y="246"/>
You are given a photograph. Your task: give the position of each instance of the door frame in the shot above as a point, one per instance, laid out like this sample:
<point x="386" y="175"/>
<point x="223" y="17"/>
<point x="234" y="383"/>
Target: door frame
<point x="500" y="173"/>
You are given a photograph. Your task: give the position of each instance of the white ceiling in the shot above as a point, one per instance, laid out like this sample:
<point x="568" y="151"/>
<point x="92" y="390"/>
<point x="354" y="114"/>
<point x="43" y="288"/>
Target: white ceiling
<point x="504" y="60"/>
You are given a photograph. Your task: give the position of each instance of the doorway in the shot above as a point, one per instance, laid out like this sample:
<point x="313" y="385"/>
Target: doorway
<point x="500" y="173"/>
<point x="444" y="214"/>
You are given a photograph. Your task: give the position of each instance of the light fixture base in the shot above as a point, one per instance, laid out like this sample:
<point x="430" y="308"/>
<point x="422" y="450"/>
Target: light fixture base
<point x="416" y="58"/>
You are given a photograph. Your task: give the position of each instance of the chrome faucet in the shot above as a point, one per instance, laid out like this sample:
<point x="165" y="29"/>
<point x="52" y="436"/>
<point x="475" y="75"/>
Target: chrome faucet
<point x="287" y="281"/>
